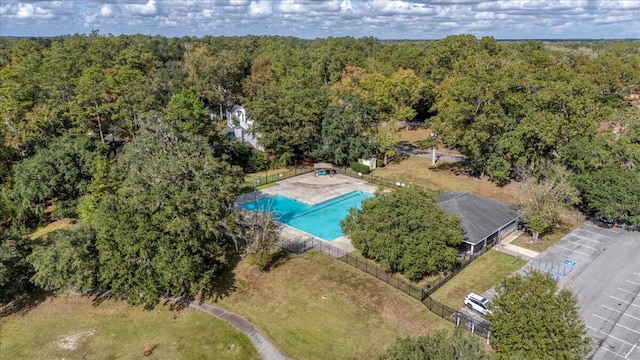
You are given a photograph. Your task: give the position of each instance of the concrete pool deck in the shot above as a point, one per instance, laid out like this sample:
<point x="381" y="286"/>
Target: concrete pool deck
<point x="311" y="189"/>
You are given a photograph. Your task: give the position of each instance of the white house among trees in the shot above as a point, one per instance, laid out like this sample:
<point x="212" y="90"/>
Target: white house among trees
<point x="239" y="126"/>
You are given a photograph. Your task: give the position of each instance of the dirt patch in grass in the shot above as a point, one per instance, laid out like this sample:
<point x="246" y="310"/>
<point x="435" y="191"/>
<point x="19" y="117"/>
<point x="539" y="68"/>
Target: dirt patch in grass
<point x="479" y="276"/>
<point x="418" y="170"/>
<point x="316" y="307"/>
<point x="73" y="340"/>
<point x="56" y="225"/>
<point x="74" y="327"/>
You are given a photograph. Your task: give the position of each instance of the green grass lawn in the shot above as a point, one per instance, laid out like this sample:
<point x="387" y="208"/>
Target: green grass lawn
<point x="418" y="170"/>
<point x="316" y="307"/>
<point x="483" y="273"/>
<point x="72" y="327"/>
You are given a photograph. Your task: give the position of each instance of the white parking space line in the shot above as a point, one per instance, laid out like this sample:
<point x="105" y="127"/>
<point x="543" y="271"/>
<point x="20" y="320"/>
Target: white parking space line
<point x="634" y="346"/>
<point x="635" y="273"/>
<point x="624" y="301"/>
<point x="611" y="336"/>
<point x="575" y="251"/>
<point x="620" y="312"/>
<point x="633" y="282"/>
<point x="590" y="232"/>
<point x="627" y="291"/>
<point x="586" y="238"/>
<point x="613" y="352"/>
<point x="579" y="244"/>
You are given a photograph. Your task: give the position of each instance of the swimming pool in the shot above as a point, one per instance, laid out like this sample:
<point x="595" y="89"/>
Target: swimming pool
<point x="321" y="220"/>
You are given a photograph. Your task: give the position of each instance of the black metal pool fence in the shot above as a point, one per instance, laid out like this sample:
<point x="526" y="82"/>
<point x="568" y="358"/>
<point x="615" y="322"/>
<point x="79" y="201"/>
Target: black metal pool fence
<point x="259" y="179"/>
<point x="421" y="294"/>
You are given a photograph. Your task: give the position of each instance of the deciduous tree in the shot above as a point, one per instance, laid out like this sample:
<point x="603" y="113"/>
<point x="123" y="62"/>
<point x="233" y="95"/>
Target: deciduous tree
<point x="261" y="234"/>
<point x="437" y="346"/>
<point x="534" y="319"/>
<point x="15" y="270"/>
<point x="406" y="231"/>
<point x="612" y="193"/>
<point x="543" y="194"/>
<point x="188" y="113"/>
<point x="348" y="128"/>
<point x="167" y="230"/>
<point x="56" y="175"/>
<point x="67" y="260"/>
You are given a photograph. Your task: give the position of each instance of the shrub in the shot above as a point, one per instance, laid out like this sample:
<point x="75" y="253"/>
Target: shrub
<point x="379" y="163"/>
<point x="361" y="168"/>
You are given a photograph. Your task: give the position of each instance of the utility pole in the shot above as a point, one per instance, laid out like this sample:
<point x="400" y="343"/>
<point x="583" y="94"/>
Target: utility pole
<point x="434" y="141"/>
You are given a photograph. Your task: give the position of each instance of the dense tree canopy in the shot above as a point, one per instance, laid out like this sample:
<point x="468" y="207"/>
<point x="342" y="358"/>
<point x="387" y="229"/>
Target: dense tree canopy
<point x="612" y="193"/>
<point x="55" y="175"/>
<point x="507" y="106"/>
<point x="68" y="260"/>
<point x="15" y="270"/>
<point x="347" y="131"/>
<point x="167" y="229"/>
<point x="405" y="230"/>
<point x="534" y="319"/>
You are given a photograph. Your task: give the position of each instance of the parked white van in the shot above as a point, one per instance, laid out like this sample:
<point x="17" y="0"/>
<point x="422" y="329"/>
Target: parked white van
<point x="478" y="303"/>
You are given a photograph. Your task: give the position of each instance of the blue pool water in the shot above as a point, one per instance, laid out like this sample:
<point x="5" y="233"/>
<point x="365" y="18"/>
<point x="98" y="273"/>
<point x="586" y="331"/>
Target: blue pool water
<point x="321" y="220"/>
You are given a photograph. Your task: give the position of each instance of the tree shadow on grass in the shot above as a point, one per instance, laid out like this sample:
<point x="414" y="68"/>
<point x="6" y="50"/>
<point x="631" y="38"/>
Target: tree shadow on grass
<point x="398" y="158"/>
<point x="225" y="283"/>
<point x="457" y="169"/>
<point x="100" y="296"/>
<point x="25" y="305"/>
<point x="278" y="259"/>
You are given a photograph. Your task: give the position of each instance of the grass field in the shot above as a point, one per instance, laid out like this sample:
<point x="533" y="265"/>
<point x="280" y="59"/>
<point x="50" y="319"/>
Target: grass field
<point x="72" y="327"/>
<point x="483" y="273"/>
<point x="316" y="307"/>
<point x="418" y="170"/>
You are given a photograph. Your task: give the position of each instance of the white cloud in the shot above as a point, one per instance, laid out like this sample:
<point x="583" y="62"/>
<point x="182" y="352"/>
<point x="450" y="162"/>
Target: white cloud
<point x="394" y="7"/>
<point x="307" y="7"/>
<point x="619" y="4"/>
<point x="142" y="9"/>
<point x="106" y="10"/>
<point x="323" y="18"/>
<point x="40" y="10"/>
<point x="260" y="8"/>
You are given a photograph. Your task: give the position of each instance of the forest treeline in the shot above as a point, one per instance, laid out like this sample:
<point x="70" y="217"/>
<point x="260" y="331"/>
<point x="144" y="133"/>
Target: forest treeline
<point x="506" y="105"/>
<point x="558" y="113"/>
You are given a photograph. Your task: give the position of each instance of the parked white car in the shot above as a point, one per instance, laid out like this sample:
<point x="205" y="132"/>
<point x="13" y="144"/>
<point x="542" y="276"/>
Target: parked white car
<point x="478" y="303"/>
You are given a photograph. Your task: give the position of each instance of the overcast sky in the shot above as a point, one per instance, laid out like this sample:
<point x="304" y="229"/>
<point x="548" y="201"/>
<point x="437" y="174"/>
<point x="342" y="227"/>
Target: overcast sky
<point x="384" y="19"/>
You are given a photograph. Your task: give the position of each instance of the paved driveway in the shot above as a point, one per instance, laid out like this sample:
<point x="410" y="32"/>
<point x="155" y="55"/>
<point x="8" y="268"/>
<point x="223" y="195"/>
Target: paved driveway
<point x="602" y="267"/>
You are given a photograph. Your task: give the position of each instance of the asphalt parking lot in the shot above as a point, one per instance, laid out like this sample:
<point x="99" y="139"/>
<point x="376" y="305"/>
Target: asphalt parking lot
<point x="602" y="267"/>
